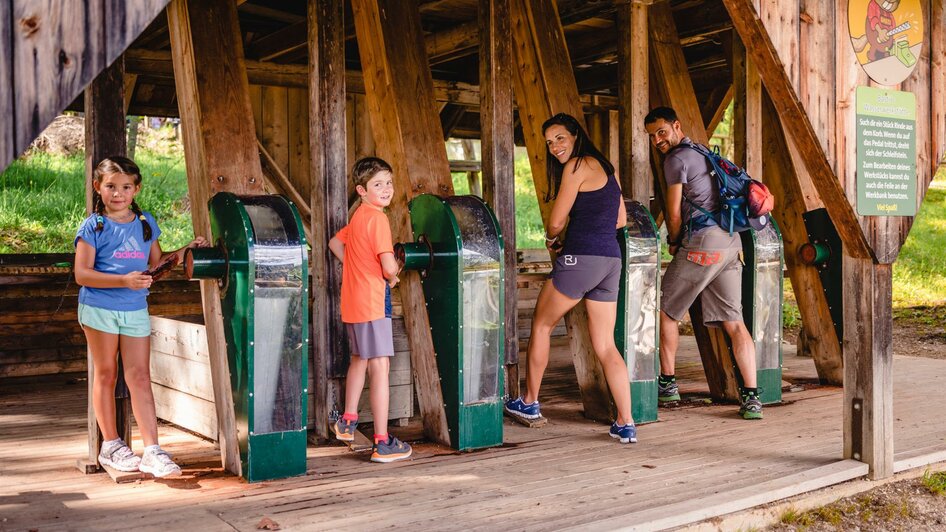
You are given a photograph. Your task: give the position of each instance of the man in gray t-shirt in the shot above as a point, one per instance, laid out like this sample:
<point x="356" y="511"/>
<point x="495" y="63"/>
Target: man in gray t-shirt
<point x="705" y="263"/>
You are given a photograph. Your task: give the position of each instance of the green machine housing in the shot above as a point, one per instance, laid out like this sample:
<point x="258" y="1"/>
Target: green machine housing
<point x="762" y="304"/>
<point x="636" y="333"/>
<point x="260" y="262"/>
<point x="458" y="249"/>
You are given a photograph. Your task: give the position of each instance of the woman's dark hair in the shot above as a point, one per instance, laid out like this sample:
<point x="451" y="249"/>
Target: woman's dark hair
<point x="117" y="164"/>
<point x="583" y="148"/>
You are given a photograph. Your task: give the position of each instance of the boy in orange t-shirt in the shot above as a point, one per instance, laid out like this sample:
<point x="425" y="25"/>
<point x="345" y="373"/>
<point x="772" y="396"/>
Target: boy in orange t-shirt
<point x="369" y="270"/>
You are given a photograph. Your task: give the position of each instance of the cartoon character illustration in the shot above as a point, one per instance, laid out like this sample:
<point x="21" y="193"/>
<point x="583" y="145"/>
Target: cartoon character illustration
<point x="881" y="30"/>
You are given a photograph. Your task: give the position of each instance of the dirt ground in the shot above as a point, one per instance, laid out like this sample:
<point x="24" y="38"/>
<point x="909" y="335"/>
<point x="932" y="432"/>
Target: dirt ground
<point x="900" y="506"/>
<point x="907" y="505"/>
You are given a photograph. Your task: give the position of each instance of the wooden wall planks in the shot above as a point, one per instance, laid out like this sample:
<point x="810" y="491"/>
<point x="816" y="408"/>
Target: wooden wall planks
<point x="57" y="49"/>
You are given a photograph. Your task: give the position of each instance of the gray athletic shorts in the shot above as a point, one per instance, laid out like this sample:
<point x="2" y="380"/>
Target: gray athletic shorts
<point x="587" y="276"/>
<point x="371" y="339"/>
<point x="708" y="265"/>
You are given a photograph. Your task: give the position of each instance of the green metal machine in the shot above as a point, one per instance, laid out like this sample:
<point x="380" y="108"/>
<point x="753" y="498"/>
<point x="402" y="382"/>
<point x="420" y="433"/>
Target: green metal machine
<point x="260" y="262"/>
<point x="762" y="304"/>
<point x="637" y="332"/>
<point x="459" y="253"/>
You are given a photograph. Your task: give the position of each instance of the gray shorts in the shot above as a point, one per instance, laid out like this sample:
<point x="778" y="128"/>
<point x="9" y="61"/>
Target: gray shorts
<point x="587" y="276"/>
<point x="371" y="339"/>
<point x="708" y="265"/>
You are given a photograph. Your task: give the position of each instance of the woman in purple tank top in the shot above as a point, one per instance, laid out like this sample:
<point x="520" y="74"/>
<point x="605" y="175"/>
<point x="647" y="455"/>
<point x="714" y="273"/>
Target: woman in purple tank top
<point x="588" y="265"/>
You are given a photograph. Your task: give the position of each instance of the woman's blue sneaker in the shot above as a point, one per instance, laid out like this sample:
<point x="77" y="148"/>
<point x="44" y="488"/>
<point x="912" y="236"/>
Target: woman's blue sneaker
<point x="626" y="433"/>
<point x="517" y="407"/>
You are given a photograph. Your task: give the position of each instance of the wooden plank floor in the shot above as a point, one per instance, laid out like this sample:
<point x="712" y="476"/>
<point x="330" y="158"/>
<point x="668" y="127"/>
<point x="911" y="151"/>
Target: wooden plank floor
<point x="566" y="474"/>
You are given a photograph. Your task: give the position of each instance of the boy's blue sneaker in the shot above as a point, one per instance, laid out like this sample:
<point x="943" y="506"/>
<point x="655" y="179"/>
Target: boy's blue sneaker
<point x="391" y="451"/>
<point x="345" y="430"/>
<point x="626" y="433"/>
<point x="517" y="407"/>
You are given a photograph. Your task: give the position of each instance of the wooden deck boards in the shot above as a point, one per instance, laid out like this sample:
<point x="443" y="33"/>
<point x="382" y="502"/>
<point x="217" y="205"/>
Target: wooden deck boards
<point x="568" y="473"/>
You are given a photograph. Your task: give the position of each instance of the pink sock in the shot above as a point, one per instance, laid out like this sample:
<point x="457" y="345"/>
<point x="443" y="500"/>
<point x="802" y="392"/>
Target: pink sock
<point x="380" y="438"/>
<point x="348" y="416"/>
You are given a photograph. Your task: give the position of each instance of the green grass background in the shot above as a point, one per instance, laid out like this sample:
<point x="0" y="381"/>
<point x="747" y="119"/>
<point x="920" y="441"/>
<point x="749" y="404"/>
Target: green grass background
<point x="42" y="204"/>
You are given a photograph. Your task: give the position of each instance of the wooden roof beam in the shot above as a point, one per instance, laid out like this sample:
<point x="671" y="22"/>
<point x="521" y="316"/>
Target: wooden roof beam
<point x="157" y="64"/>
<point x="759" y="46"/>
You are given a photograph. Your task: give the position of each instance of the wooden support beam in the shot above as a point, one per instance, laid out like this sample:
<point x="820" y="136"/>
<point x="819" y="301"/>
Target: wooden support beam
<point x="779" y="84"/>
<point x="868" y="364"/>
<point x="105" y="137"/>
<point x="328" y="163"/>
<point x="7" y="107"/>
<point x="634" y="102"/>
<point x="676" y="89"/>
<point x="450" y="116"/>
<point x="780" y="175"/>
<point x="497" y="153"/>
<point x="129" y="91"/>
<point x="719" y="101"/>
<point x="158" y="64"/>
<point x="747" y="111"/>
<point x="400" y="96"/>
<point x="545" y="85"/>
<point x="938" y="83"/>
<point x="221" y="152"/>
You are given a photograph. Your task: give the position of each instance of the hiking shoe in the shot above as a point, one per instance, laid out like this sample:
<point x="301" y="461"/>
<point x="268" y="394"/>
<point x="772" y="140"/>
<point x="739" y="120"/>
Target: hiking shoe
<point x="625" y="433"/>
<point x="391" y="451"/>
<point x="667" y="393"/>
<point x="517" y="407"/>
<point x="159" y="464"/>
<point x="345" y="430"/>
<point x="118" y="455"/>
<point x="751" y="407"/>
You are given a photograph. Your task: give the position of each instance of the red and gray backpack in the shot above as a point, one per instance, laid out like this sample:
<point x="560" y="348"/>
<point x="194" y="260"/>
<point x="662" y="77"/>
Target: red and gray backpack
<point x="743" y="202"/>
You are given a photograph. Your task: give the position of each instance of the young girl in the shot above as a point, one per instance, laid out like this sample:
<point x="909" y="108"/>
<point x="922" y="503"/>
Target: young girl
<point x="114" y="247"/>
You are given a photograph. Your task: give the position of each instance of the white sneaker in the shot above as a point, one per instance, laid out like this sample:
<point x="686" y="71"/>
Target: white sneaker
<point x="118" y="456"/>
<point x="159" y="464"/>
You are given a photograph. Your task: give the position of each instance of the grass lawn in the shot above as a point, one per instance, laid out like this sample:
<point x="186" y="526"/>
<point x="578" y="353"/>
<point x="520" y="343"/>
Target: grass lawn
<point x="42" y="201"/>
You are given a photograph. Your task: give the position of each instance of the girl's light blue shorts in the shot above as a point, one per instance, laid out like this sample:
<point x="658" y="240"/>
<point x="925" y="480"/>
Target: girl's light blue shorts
<point x="134" y="323"/>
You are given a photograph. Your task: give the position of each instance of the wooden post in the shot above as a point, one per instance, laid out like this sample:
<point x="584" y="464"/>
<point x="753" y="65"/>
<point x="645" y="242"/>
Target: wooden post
<point x="328" y="165"/>
<point x="7" y="137"/>
<point x="399" y="92"/>
<point x="938" y="85"/>
<point x="634" y="101"/>
<point x="498" y="158"/>
<point x="104" y="137"/>
<point x="747" y="111"/>
<point x="676" y="87"/>
<point x="868" y="364"/>
<point x="220" y="148"/>
<point x="545" y="85"/>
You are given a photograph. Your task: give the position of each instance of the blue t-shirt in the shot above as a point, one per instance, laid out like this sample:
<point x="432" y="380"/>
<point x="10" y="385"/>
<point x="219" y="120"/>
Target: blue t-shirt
<point x="119" y="249"/>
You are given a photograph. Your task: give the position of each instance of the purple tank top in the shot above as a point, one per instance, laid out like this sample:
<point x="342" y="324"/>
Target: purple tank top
<point x="592" y="220"/>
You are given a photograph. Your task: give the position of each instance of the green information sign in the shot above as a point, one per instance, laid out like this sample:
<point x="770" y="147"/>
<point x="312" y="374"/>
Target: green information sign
<point x="886" y="152"/>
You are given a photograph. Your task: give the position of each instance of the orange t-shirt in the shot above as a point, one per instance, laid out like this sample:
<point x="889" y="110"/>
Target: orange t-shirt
<point x="366" y="237"/>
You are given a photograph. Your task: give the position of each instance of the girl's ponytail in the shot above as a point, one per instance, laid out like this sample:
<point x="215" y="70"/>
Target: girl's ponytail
<point x="98" y="207"/>
<point x="145" y="226"/>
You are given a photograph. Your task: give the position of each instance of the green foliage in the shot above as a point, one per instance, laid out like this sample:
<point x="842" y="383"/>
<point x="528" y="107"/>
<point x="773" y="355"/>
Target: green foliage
<point x="919" y="275"/>
<point x="42" y="200"/>
<point x="529" y="230"/>
<point x="935" y="482"/>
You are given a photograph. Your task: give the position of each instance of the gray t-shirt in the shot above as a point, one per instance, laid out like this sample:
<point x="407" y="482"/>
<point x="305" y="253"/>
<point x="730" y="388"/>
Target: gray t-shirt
<point x="690" y="168"/>
<point x="687" y="166"/>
